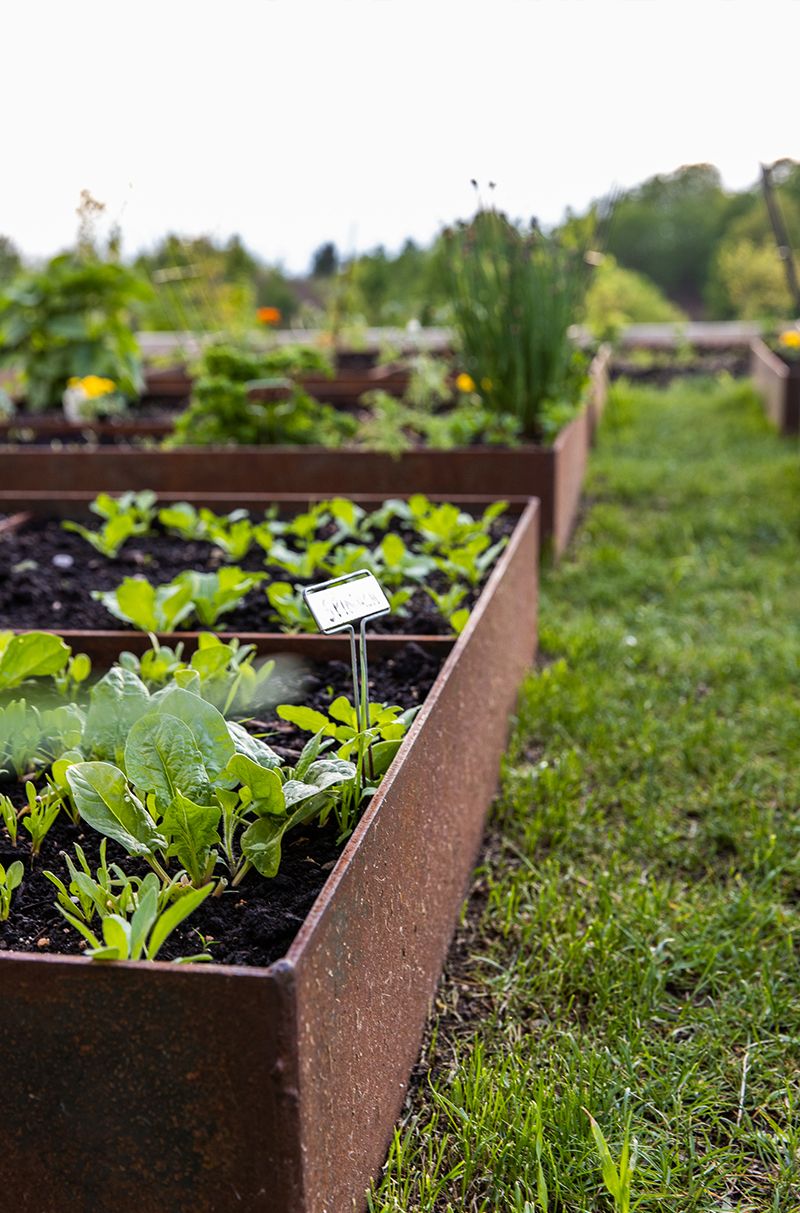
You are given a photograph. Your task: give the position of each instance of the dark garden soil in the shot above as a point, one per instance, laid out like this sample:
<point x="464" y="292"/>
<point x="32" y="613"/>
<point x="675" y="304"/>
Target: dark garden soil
<point x="47" y="575"/>
<point x="251" y="925"/>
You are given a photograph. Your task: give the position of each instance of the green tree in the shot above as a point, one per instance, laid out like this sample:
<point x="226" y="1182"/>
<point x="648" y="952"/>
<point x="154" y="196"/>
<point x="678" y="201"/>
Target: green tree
<point x="668" y="227"/>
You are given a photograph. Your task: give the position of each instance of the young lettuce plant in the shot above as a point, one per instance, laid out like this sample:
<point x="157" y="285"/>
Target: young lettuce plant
<point x="162" y="608"/>
<point x="472" y="561"/>
<point x="232" y="533"/>
<point x="125" y="516"/>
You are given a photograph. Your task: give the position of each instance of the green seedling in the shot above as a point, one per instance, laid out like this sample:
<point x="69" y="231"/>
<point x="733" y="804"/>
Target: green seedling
<point x="289" y="607"/>
<point x="125" y="516"/>
<point x="304" y="564"/>
<point x="144" y="933"/>
<point x="10" y="879"/>
<point x="9" y="818"/>
<point x="472" y="561"/>
<point x="162" y="608"/>
<point x="40" y="813"/>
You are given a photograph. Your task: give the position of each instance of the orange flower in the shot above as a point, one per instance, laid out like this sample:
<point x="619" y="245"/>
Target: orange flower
<point x="269" y="315"/>
<point x="465" y="382"/>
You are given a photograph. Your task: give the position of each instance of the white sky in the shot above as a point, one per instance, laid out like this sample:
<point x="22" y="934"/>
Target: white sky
<point x="362" y="121"/>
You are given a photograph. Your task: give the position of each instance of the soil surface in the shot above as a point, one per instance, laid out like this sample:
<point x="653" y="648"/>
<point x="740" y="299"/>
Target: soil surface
<point x="251" y="925"/>
<point x="47" y="575"/>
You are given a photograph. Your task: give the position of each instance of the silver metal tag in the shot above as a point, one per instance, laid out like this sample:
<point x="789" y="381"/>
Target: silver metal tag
<point x="346" y="601"/>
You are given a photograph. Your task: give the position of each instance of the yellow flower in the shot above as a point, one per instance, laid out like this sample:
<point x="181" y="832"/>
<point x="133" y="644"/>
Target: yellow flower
<point x="486" y="384"/>
<point x="93" y="385"/>
<point x="465" y="382"/>
<point x="791" y="338"/>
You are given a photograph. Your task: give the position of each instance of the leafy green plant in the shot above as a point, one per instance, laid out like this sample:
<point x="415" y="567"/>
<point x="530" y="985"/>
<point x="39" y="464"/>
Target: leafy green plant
<point x="40" y="814"/>
<point x="190" y="784"/>
<point x="68" y="320"/>
<point x="372" y="747"/>
<point x="125" y="516"/>
<point x="162" y="608"/>
<point x="514" y="295"/>
<point x="10" y="879"/>
<point x="232" y="533"/>
<point x="145" y="932"/>
<point x="223" y="673"/>
<point x="245" y="397"/>
<point x="472" y="561"/>
<point x="30" y="738"/>
<point x="150" y="608"/>
<point x="289" y="606"/>
<point x="34" y="655"/>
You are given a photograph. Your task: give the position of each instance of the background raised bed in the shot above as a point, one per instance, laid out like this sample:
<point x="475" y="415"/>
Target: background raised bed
<point x="779" y="385"/>
<point x="554" y="473"/>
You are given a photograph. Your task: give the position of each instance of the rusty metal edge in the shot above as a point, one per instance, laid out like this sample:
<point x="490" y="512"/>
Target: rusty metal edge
<point x="374" y="943"/>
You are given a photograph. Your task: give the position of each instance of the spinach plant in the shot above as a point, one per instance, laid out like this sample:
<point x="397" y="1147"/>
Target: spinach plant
<point x="10" y="879"/>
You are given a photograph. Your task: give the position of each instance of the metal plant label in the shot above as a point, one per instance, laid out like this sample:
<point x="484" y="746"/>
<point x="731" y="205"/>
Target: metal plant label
<point x="346" y="601"/>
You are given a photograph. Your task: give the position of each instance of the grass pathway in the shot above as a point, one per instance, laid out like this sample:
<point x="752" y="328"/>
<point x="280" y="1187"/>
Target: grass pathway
<point x="631" y="946"/>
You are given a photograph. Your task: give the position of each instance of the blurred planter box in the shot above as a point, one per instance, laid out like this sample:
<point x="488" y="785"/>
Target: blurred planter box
<point x="779" y="385"/>
<point x="152" y="1087"/>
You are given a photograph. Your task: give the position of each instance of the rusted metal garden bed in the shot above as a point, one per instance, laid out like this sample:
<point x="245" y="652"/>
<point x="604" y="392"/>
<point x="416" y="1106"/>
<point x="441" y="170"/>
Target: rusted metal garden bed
<point x="150" y="1087"/>
<point x="554" y="473"/>
<point x="779" y="385"/>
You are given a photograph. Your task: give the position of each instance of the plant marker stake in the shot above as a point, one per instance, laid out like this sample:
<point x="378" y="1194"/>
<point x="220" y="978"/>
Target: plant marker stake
<point x="338" y="605"/>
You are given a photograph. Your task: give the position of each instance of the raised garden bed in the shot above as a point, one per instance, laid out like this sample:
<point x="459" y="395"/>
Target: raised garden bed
<point x="167" y="393"/>
<point x="779" y="384"/>
<point x="49" y="572"/>
<point x="554" y="473"/>
<point x="274" y="1088"/>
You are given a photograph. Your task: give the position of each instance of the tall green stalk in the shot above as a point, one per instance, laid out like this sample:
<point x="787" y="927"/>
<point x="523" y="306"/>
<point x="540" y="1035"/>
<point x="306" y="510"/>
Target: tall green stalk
<point x="514" y="295"/>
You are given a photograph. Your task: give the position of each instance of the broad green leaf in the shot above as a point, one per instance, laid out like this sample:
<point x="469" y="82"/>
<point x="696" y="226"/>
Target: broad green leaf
<point x="31" y="655"/>
<point x="307" y="719"/>
<point x="261" y="842"/>
<point x="115" y="704"/>
<point x="329" y="771"/>
<point x="264" y="785"/>
<point x="186" y="904"/>
<point x="162" y="756"/>
<point x="117" y="936"/>
<point x="192" y="829"/>
<point x="252" y="747"/>
<point x="209" y="726"/>
<point x="106" y="803"/>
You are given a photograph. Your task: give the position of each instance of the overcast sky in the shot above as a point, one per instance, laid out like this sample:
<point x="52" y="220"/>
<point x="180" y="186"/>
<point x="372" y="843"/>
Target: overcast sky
<point x="362" y="121"/>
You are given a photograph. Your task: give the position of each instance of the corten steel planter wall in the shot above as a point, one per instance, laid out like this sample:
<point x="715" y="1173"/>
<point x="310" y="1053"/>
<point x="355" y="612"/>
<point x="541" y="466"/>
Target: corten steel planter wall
<point x="554" y="473"/>
<point x="150" y="1087"/>
<point x="779" y="385"/>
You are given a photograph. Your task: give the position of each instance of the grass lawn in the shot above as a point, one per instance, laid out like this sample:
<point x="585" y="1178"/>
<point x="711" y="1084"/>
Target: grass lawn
<point x="630" y="950"/>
